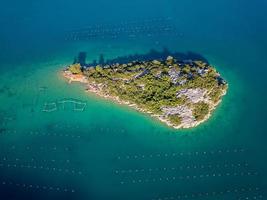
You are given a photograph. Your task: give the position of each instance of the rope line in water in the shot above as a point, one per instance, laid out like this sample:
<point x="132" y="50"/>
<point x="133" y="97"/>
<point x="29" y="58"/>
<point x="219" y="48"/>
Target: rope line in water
<point x="41" y="167"/>
<point x="37" y="133"/>
<point x="189" y="177"/>
<point x="237" y="191"/>
<point x="38" y="187"/>
<point x="166" y="155"/>
<point x="182" y="167"/>
<point x="147" y="28"/>
<point x="35" y="160"/>
<point x="41" y="148"/>
<point x="36" y="164"/>
<point x="54" y="134"/>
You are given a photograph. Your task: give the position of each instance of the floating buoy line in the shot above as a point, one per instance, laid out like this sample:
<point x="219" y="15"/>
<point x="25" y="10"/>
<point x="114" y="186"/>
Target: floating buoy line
<point x="40" y="167"/>
<point x="183" y="168"/>
<point x="236" y="192"/>
<point x="27" y="186"/>
<point x="172" y="179"/>
<point x="131" y="29"/>
<point x="5" y="158"/>
<point x="180" y="154"/>
<point x="39" y="148"/>
<point x="35" y="164"/>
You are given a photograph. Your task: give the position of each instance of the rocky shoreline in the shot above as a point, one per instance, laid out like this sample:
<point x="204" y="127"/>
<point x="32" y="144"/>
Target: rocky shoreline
<point x="96" y="89"/>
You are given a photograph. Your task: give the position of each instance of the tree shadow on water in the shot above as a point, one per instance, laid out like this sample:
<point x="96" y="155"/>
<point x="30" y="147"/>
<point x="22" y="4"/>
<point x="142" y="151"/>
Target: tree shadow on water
<point x="151" y="55"/>
<point x="155" y="55"/>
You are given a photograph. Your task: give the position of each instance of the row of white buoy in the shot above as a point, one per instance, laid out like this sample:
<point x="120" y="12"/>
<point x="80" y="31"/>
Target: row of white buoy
<point x="107" y="129"/>
<point x="41" y="167"/>
<point x="67" y="126"/>
<point x="130" y="36"/>
<point x="185" y="167"/>
<point x="120" y="35"/>
<point x="8" y="132"/>
<point x="195" y="153"/>
<point x="37" y="133"/>
<point x="149" y="21"/>
<point x="37" y="187"/>
<point x="251" y="197"/>
<point x="41" y="148"/>
<point x="5" y="120"/>
<point x="119" y="26"/>
<point x="127" y="23"/>
<point x="236" y="192"/>
<point x="8" y="118"/>
<point x="120" y="30"/>
<point x="97" y="129"/>
<point x="54" y="134"/>
<point x="190" y="177"/>
<point x="34" y="160"/>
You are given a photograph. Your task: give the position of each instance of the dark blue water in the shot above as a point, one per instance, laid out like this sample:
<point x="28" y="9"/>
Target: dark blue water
<point x="112" y="152"/>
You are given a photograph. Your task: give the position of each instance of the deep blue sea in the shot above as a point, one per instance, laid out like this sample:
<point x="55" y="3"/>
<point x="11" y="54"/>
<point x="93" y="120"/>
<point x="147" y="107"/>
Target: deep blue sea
<point x="111" y="152"/>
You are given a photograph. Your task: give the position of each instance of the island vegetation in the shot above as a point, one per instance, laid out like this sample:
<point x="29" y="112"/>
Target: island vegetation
<point x="180" y="93"/>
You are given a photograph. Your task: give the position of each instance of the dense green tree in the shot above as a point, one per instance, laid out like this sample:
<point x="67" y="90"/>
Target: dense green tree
<point x="75" y="68"/>
<point x="175" y="119"/>
<point x="201" y="109"/>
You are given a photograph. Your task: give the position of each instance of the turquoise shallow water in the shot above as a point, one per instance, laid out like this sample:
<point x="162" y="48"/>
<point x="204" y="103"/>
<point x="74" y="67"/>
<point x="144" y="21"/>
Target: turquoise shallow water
<point x="110" y="151"/>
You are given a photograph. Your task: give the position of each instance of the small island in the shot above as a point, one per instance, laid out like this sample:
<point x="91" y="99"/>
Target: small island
<point x="182" y="94"/>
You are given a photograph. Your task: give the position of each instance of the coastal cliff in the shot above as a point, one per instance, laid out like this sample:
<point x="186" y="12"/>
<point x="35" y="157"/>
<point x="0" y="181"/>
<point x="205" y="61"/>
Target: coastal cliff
<point x="181" y="94"/>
